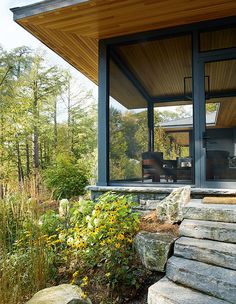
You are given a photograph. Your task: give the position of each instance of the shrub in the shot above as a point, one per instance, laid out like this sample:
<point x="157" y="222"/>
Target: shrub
<point x="66" y="178"/>
<point x="90" y="244"/>
<point x="101" y="243"/>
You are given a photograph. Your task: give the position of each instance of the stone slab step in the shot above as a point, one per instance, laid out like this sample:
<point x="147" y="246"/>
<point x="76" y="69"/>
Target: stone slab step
<point x="167" y="292"/>
<point x="206" y="251"/>
<point x="218" y="231"/>
<point x="196" y="210"/>
<point x="215" y="281"/>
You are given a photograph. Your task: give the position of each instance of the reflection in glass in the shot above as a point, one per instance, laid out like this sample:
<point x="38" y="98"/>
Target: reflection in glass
<point x="150" y="109"/>
<point x="220" y="135"/>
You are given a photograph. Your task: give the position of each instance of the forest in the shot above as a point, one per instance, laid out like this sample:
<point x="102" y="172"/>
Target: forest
<point x="35" y="138"/>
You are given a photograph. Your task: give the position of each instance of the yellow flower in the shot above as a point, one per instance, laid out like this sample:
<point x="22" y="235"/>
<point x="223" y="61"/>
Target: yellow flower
<point x="117" y="245"/>
<point x="75" y="274"/>
<point x="102" y="243"/>
<point x="85" y="281"/>
<point x="120" y="237"/>
<point x="84" y="295"/>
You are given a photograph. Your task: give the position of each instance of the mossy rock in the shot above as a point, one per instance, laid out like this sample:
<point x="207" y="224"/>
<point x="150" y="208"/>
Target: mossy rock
<point x="154" y="249"/>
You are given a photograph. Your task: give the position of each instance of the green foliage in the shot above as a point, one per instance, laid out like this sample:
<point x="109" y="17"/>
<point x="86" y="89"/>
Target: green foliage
<point x="101" y="242"/>
<point x="92" y="242"/>
<point x="31" y="136"/>
<point x="66" y="178"/>
<point x="26" y="256"/>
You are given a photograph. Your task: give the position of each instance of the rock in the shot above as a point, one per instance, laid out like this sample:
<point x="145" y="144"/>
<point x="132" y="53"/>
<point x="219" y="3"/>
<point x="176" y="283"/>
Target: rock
<point x="61" y="294"/>
<point x="215" y="281"/>
<point x="196" y="210"/>
<point x="210" y="252"/>
<point x="149" y="204"/>
<point x="224" y="232"/>
<point x="170" y="210"/>
<point x="167" y="292"/>
<point x="154" y="249"/>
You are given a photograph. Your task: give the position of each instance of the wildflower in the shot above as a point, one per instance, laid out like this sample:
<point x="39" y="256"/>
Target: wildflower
<point x="64" y="207"/>
<point x="85" y="281"/>
<point x="117" y="245"/>
<point x="120" y="237"/>
<point x="70" y="241"/>
<point x="75" y="274"/>
<point x="96" y="222"/>
<point x="103" y="243"/>
<point x="84" y="295"/>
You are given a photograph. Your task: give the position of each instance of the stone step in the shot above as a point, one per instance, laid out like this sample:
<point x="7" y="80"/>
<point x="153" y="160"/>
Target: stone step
<point x="215" y="281"/>
<point x="196" y="210"/>
<point x="167" y="292"/>
<point x="218" y="231"/>
<point x="206" y="251"/>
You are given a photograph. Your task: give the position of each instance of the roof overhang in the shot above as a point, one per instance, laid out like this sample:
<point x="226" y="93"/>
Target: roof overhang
<point x="42" y="7"/>
<point x="72" y="28"/>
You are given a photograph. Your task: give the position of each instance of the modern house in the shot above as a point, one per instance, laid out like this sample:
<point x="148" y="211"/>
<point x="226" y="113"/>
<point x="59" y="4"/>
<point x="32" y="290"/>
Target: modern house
<point x="166" y="75"/>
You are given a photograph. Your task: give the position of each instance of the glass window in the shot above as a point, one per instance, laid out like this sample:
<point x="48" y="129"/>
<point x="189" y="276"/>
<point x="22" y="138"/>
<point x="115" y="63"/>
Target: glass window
<point x="151" y="146"/>
<point x="220" y="137"/>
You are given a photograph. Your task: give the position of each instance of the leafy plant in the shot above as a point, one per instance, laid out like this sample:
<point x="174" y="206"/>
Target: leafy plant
<point x="66" y="178"/>
<point x="101" y="242"/>
<point x="26" y="256"/>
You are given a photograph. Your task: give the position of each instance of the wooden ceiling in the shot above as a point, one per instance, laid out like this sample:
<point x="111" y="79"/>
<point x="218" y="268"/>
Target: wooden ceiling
<point x="73" y="31"/>
<point x="227" y="113"/>
<point x="161" y="65"/>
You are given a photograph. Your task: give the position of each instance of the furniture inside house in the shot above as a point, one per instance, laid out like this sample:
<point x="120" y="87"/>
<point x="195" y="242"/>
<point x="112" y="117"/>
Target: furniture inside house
<point x="219" y="165"/>
<point x="154" y="166"/>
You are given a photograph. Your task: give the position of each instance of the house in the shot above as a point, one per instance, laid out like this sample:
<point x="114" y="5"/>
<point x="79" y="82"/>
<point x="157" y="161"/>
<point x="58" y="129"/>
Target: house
<point x="150" y="57"/>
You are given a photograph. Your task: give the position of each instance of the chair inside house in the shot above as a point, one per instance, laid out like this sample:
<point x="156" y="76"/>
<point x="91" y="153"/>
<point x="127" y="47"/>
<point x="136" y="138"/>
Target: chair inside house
<point x="154" y="166"/>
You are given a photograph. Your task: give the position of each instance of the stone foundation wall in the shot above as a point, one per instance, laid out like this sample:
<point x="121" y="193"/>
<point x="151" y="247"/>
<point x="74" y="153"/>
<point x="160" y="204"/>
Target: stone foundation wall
<point x="155" y="193"/>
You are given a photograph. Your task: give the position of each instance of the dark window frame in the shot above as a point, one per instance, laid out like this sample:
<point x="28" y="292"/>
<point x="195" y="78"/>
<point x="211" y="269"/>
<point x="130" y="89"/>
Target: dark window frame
<point x="198" y="61"/>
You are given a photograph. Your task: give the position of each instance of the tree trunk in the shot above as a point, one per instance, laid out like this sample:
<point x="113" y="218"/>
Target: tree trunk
<point x="19" y="167"/>
<point x="36" y="162"/>
<point x="55" y="125"/>
<point x="27" y="154"/>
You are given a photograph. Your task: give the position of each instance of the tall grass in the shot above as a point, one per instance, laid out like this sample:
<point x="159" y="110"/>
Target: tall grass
<point x="24" y="257"/>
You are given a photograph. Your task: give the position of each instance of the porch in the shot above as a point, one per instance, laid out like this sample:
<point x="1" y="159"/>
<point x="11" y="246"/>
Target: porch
<point x="170" y="108"/>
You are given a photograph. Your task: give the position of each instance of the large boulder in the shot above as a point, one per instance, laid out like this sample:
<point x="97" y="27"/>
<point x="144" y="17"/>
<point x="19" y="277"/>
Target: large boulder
<point x="61" y="294"/>
<point x="154" y="249"/>
<point x="170" y="210"/>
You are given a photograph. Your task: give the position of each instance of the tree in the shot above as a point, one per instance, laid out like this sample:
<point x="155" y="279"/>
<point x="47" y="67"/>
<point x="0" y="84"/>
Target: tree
<point x="31" y="137"/>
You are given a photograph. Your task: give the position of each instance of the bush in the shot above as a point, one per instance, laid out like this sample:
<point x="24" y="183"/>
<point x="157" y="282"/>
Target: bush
<point x="66" y="178"/>
<point x="87" y="243"/>
<point x="100" y="243"/>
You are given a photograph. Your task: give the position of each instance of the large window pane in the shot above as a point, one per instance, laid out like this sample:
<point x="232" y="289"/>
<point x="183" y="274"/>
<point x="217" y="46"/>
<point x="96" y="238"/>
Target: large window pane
<point x="174" y="139"/>
<point x="220" y="137"/>
<point x="128" y="131"/>
<point x="150" y="89"/>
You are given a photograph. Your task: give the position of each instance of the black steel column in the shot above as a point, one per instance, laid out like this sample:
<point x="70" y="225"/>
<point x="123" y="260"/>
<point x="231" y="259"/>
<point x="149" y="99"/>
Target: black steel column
<point x="150" y="126"/>
<point x="103" y="115"/>
<point x="198" y="111"/>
